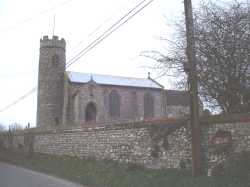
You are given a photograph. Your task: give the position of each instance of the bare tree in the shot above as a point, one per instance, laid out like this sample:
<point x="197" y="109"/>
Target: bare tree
<point x="15" y="127"/>
<point x="222" y="34"/>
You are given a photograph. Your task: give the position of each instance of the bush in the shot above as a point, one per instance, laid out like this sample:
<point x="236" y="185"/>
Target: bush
<point x="238" y="165"/>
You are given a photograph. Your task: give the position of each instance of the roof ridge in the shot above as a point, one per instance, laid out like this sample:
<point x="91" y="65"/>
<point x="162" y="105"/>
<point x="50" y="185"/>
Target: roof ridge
<point x="82" y="77"/>
<point x="170" y="90"/>
<point x="93" y="74"/>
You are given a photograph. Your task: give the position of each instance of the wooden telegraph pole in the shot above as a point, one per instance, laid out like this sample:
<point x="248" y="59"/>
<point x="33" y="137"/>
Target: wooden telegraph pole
<point x="190" y="68"/>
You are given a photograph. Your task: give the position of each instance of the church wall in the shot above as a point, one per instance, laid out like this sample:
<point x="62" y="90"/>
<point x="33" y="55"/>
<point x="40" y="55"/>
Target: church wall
<point x="131" y="102"/>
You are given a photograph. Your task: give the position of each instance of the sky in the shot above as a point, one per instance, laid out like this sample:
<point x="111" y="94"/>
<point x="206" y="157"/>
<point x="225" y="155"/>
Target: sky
<point x="79" y="22"/>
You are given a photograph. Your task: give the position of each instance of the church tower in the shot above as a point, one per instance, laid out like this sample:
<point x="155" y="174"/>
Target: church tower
<point x="50" y="81"/>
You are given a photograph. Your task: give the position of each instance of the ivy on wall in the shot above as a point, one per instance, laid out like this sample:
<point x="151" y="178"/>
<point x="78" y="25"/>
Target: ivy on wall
<point x="221" y="142"/>
<point x="159" y="137"/>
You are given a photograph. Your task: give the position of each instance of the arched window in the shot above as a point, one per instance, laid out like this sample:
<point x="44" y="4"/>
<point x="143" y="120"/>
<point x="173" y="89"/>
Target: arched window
<point x="148" y="105"/>
<point x="90" y="112"/>
<point x="134" y="105"/>
<point x="114" y="104"/>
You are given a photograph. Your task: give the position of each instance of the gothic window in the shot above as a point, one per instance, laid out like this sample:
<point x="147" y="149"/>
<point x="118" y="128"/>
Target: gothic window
<point x="90" y="112"/>
<point x="91" y="88"/>
<point x="148" y="105"/>
<point x="133" y="104"/>
<point x="105" y="98"/>
<point x="114" y="104"/>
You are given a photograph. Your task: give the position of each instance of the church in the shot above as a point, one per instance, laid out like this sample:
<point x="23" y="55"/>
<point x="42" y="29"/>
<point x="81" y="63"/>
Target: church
<point x="75" y="98"/>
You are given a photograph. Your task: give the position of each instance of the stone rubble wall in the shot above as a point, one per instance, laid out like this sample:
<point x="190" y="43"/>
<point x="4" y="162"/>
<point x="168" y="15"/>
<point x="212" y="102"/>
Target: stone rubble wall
<point x="177" y="111"/>
<point x="130" y="144"/>
<point x="216" y="152"/>
<point x="154" y="145"/>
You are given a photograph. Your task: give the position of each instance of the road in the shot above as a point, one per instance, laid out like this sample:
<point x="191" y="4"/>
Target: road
<point x="13" y="176"/>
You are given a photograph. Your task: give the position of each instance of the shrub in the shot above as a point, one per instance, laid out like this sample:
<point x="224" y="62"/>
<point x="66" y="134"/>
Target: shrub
<point x="238" y="165"/>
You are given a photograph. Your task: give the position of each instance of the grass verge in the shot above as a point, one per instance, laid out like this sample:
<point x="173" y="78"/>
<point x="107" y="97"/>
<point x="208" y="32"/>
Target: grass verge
<point x="106" y="173"/>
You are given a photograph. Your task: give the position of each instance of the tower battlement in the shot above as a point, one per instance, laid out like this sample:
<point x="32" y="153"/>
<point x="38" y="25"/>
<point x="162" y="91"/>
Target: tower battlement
<point x="45" y="41"/>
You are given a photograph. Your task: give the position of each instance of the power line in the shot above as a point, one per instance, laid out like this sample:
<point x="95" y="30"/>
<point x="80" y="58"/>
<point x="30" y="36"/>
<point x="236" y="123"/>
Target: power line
<point x="19" y="99"/>
<point x="109" y="31"/>
<point x="110" y="28"/>
<point x="35" y="16"/>
<point x="17" y="74"/>
<point x="98" y="27"/>
<point x="92" y="32"/>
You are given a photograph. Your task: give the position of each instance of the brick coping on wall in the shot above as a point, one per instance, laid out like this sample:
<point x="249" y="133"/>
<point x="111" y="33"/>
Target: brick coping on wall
<point x="221" y="119"/>
<point x="114" y="126"/>
<point x="205" y="121"/>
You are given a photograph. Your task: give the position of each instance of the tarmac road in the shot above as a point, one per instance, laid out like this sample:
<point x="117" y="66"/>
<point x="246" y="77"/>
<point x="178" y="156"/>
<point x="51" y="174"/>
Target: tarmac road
<point x="14" y="176"/>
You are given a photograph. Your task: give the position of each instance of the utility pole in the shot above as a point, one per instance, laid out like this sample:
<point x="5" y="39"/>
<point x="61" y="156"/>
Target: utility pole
<point x="190" y="68"/>
<point x="248" y="15"/>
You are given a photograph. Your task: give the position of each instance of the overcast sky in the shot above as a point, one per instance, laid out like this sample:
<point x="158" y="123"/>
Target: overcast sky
<point x="24" y="22"/>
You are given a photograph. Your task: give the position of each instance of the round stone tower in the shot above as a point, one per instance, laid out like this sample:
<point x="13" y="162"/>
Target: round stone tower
<point x="50" y="81"/>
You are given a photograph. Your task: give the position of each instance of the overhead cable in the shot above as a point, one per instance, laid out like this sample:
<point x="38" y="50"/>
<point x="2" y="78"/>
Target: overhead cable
<point x="19" y="99"/>
<point x="103" y="36"/>
<point x="109" y="31"/>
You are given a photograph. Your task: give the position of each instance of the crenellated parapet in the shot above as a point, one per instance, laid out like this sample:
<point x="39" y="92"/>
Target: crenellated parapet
<point x="54" y="42"/>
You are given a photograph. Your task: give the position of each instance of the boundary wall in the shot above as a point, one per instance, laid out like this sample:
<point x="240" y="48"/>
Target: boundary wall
<point x="164" y="143"/>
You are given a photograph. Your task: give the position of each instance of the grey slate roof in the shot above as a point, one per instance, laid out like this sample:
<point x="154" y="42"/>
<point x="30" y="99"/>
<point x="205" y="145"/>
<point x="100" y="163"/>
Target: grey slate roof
<point x="77" y="77"/>
<point x="177" y="98"/>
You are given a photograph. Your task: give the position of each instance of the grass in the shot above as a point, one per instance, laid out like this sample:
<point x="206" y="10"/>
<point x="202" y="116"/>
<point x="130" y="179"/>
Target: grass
<point x="106" y="173"/>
